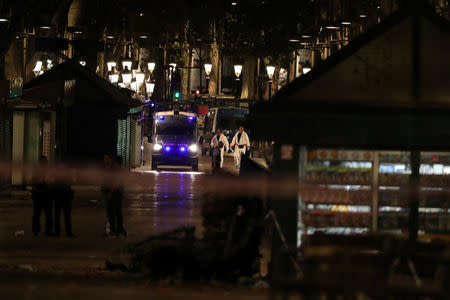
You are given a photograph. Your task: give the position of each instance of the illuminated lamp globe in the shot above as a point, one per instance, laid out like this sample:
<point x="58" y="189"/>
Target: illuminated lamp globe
<point x="38" y="68"/>
<point x="114" y="76"/>
<point x="126" y="64"/>
<point x="238" y="71"/>
<point x="150" y="87"/>
<point x="208" y="68"/>
<point x="270" y="71"/>
<point x="49" y="64"/>
<point x="151" y="66"/>
<point x="140" y="76"/>
<point x="111" y="65"/>
<point x="127" y="77"/>
<point x="134" y="86"/>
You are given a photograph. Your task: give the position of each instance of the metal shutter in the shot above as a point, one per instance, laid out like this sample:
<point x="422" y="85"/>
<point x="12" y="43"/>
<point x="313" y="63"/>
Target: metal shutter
<point x="5" y="142"/>
<point x="123" y="140"/>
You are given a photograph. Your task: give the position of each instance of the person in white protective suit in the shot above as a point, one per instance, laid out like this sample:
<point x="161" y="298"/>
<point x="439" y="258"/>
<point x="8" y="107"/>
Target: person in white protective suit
<point x="215" y="141"/>
<point x="241" y="144"/>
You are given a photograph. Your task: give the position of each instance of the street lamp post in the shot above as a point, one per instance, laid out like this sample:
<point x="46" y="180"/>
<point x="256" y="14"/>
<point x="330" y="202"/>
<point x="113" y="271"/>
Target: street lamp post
<point x="270" y="72"/>
<point x="237" y="72"/>
<point x="208" y="68"/>
<point x="172" y="68"/>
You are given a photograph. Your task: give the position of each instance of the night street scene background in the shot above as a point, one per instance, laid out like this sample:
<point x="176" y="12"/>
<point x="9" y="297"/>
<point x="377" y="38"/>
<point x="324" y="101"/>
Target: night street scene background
<point x="226" y="149"/>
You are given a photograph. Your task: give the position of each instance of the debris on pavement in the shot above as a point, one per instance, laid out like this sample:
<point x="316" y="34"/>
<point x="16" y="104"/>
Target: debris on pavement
<point x="262" y="284"/>
<point x="19" y="233"/>
<point x="227" y="252"/>
<point x="26" y="267"/>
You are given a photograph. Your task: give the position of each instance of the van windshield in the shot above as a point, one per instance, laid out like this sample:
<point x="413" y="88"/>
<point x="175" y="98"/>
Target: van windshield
<point x="231" y="118"/>
<point x="175" y="130"/>
<point x="176" y="125"/>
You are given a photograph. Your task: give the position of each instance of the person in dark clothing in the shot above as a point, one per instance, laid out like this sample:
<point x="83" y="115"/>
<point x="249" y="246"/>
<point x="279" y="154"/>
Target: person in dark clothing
<point x="62" y="195"/>
<point x="115" y="201"/>
<point x="41" y="199"/>
<point x="244" y="235"/>
<point x="106" y="191"/>
<point x="216" y="159"/>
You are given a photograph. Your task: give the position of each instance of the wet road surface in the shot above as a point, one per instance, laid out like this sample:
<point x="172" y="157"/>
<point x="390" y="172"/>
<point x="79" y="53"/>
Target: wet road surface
<point x="172" y="200"/>
<point x="40" y="267"/>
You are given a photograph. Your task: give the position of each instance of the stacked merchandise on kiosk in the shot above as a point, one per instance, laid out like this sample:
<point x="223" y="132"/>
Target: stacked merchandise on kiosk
<point x="434" y="193"/>
<point x="339" y="193"/>
<point x="336" y="195"/>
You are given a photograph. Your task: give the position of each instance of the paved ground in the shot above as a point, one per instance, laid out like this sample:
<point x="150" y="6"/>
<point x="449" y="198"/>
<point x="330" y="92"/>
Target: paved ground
<point x="162" y="207"/>
<point x="30" y="288"/>
<point x="49" y="267"/>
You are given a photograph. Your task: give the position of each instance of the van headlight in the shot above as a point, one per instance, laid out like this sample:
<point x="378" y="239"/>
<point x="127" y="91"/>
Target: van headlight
<point x="193" y="148"/>
<point x="157" y="147"/>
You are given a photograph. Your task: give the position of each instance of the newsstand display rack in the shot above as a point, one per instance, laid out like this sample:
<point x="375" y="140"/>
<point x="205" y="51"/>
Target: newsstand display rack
<point x="434" y="193"/>
<point x="356" y="192"/>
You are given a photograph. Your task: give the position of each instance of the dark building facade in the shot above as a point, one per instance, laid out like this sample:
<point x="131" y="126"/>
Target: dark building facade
<point x="70" y="114"/>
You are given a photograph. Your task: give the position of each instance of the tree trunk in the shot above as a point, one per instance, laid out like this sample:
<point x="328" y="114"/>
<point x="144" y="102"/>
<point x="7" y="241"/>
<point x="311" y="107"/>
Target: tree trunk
<point x="13" y="61"/>
<point x="388" y="7"/>
<point x="245" y="80"/>
<point x="276" y="75"/>
<point x="9" y="38"/>
<point x="248" y="78"/>
<point x="185" y="61"/>
<point x="292" y="66"/>
<point x="159" y="76"/>
<point x="2" y="66"/>
<point x="214" y="57"/>
<point x="265" y="79"/>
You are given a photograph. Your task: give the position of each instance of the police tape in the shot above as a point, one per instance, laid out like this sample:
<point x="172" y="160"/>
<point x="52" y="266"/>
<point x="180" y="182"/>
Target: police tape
<point x="311" y="191"/>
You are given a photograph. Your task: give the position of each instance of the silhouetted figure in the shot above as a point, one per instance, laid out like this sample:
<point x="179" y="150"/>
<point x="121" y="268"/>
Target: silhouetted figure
<point x="41" y="199"/>
<point x="62" y="195"/>
<point x="244" y="235"/>
<point x="106" y="191"/>
<point x="115" y="201"/>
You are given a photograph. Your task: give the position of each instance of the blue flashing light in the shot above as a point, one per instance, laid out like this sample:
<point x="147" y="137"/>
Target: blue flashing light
<point x="152" y="104"/>
<point x="183" y="149"/>
<point x="167" y="148"/>
<point x="191" y="118"/>
<point x="161" y="118"/>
